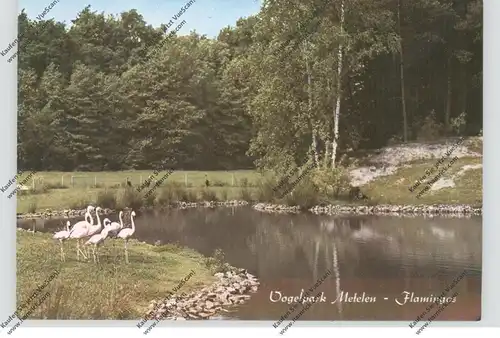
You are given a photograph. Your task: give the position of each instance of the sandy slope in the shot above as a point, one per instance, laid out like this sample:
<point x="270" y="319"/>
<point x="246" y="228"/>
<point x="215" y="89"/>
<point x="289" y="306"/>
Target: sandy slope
<point x="387" y="160"/>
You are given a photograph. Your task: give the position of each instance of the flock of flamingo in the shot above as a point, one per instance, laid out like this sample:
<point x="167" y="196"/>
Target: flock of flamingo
<point x="86" y="229"/>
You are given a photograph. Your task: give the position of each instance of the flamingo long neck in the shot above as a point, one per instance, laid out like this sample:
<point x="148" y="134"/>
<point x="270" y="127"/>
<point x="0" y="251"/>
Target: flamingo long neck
<point x="98" y="219"/>
<point x="121" y="219"/>
<point x="133" y="224"/>
<point x="88" y="216"/>
<point x="67" y="226"/>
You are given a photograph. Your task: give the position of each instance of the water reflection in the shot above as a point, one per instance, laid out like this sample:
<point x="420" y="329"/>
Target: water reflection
<point x="380" y="256"/>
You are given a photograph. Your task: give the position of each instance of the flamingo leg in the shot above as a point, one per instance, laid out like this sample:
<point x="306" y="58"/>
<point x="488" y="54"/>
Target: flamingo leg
<point x="60" y="243"/>
<point x="126" y="252"/>
<point x="62" y="251"/>
<point x="80" y="250"/>
<point x="77" y="249"/>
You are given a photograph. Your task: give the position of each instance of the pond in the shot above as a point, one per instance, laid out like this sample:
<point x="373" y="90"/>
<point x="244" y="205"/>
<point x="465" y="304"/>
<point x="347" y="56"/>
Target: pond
<point x="378" y="260"/>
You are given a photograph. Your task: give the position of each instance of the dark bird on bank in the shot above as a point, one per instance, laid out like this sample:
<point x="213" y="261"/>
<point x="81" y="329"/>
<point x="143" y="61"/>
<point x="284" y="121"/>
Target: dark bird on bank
<point x="128" y="182"/>
<point x="207" y="183"/>
<point x="356" y="194"/>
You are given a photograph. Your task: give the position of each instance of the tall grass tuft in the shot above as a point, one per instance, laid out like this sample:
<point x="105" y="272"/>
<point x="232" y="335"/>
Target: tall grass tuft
<point x="150" y="199"/>
<point x="304" y="194"/>
<point x="223" y="194"/>
<point x="106" y="199"/>
<point x="208" y="195"/>
<point x="265" y="190"/>
<point x="166" y="195"/>
<point x="245" y="194"/>
<point x="130" y="198"/>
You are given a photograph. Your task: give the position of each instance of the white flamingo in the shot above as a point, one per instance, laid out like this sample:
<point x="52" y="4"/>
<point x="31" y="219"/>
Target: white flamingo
<point x="97" y="240"/>
<point x="62" y="236"/>
<point x="127" y="233"/>
<point x="115" y="227"/>
<point x="85" y="223"/>
<point x="80" y="230"/>
<point x="94" y="229"/>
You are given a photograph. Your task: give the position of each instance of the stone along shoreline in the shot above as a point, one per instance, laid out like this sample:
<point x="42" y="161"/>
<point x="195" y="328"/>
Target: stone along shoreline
<point x="459" y="210"/>
<point x="232" y="288"/>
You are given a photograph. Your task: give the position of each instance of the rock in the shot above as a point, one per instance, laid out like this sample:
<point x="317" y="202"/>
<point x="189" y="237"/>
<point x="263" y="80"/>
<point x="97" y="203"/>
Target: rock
<point x="209" y="304"/>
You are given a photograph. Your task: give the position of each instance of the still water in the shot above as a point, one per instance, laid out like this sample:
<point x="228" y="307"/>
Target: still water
<point x="381" y="261"/>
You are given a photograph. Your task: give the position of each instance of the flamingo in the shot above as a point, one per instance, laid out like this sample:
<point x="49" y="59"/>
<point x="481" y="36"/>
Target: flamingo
<point x="93" y="229"/>
<point x="115" y="227"/>
<point x="127" y="233"/>
<point x="88" y="220"/>
<point x="96" y="240"/>
<point x="80" y="230"/>
<point x="61" y="236"/>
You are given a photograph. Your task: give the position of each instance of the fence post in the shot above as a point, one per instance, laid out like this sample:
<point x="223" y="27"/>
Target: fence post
<point x="62" y="180"/>
<point x="140" y="180"/>
<point x="95" y="181"/>
<point x="186" y="179"/>
<point x="33" y="183"/>
<point x="232" y="179"/>
<point x="72" y="182"/>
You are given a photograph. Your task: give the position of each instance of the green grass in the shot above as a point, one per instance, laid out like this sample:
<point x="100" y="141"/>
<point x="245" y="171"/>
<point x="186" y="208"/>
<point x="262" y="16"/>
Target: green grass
<point x="114" y="179"/>
<point x="111" y="289"/>
<point x="83" y="192"/>
<point x="394" y="189"/>
<point x="53" y="193"/>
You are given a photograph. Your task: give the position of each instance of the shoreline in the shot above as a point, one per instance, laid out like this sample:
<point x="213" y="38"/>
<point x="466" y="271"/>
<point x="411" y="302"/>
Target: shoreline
<point x="450" y="210"/>
<point x="432" y="210"/>
<point x="233" y="287"/>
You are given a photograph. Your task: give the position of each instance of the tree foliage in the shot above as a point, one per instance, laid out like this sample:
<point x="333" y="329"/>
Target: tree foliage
<point x="262" y="93"/>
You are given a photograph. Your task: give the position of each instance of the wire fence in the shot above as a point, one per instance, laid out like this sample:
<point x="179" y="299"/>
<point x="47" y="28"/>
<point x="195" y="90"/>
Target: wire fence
<point x="185" y="179"/>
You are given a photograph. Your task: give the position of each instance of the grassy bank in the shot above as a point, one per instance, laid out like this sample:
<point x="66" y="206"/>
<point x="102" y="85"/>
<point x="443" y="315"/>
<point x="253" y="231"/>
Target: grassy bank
<point x="56" y="190"/>
<point x="327" y="187"/>
<point x="393" y="189"/>
<point x="111" y="289"/>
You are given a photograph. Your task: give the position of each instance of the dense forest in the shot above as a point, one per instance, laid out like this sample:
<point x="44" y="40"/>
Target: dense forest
<point x="301" y="80"/>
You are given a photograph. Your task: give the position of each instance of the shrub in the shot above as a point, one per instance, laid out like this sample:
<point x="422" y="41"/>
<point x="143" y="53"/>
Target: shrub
<point x="331" y="183"/>
<point x="217" y="263"/>
<point x="130" y="198"/>
<point x="106" y="199"/>
<point x="430" y="129"/>
<point x="459" y="123"/>
<point x="304" y="194"/>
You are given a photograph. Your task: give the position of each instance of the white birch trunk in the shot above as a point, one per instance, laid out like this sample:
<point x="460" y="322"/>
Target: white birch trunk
<point x="339" y="89"/>
<point x="314" y="142"/>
